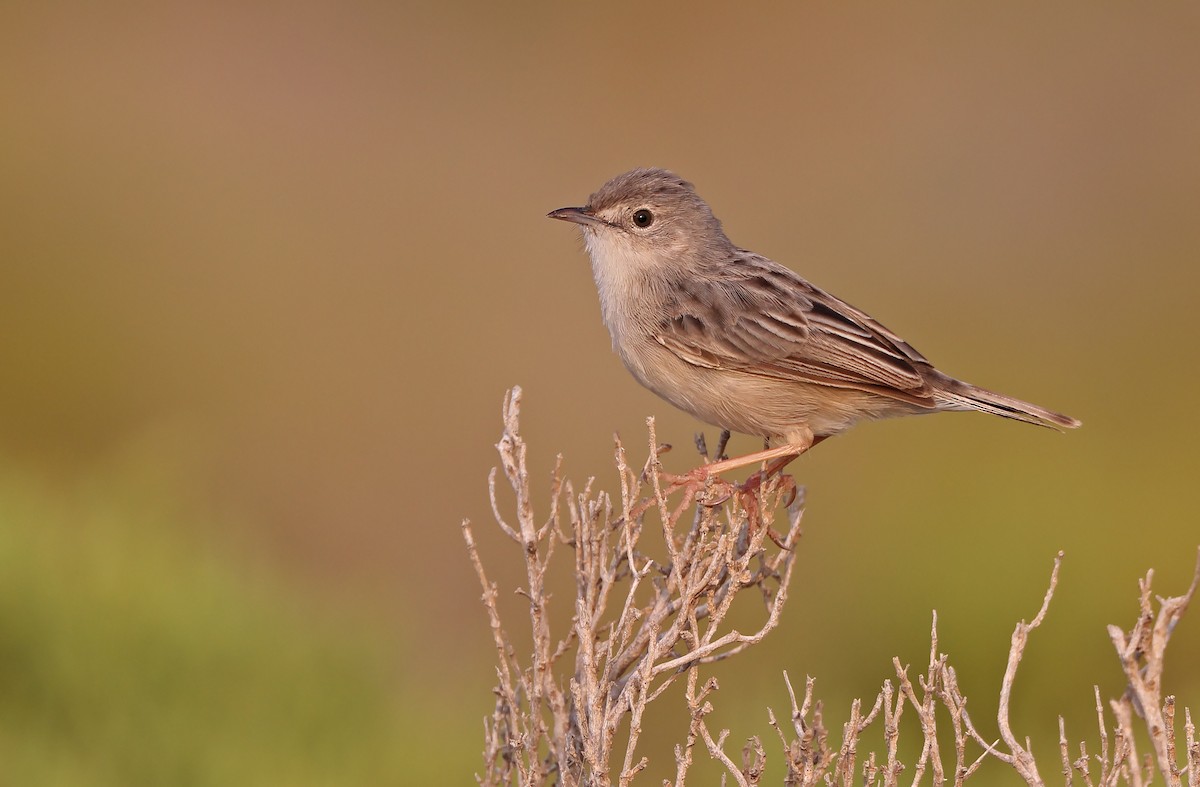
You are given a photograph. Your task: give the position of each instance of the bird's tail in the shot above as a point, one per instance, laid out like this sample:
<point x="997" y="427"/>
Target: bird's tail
<point x="957" y="395"/>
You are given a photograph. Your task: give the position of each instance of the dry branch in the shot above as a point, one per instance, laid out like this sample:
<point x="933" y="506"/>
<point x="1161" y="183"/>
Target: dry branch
<point x="641" y="619"/>
<point x="654" y="584"/>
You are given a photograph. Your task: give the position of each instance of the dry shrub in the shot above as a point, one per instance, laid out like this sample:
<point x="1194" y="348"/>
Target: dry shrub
<point x="644" y="621"/>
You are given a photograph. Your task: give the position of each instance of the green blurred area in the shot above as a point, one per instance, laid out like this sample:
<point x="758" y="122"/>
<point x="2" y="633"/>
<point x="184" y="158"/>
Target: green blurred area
<point x="133" y="653"/>
<point x="285" y="261"/>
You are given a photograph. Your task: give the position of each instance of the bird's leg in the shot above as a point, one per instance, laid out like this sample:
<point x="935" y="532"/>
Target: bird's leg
<point x="806" y="442"/>
<point x="696" y="478"/>
<point x="790" y="451"/>
<point x="782" y="454"/>
<point x="759" y="478"/>
<point x="747" y="493"/>
<point x="774" y="460"/>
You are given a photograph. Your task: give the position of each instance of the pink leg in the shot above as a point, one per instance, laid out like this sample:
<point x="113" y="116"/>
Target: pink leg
<point x="790" y="451"/>
<point x="776" y="459"/>
<point x="757" y="457"/>
<point x="800" y="442"/>
<point x="782" y="456"/>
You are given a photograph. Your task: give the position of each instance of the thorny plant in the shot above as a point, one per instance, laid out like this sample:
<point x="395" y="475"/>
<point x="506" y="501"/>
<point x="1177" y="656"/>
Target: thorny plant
<point x="641" y="623"/>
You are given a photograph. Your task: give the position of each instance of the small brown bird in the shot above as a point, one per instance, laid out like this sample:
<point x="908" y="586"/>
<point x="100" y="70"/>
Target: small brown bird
<point x="740" y="341"/>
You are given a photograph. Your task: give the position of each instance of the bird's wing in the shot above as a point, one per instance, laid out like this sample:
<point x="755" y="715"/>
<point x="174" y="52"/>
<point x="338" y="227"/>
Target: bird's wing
<point x="760" y="318"/>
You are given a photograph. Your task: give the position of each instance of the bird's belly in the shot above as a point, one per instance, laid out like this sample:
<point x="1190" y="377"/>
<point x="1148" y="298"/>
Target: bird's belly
<point x="752" y="404"/>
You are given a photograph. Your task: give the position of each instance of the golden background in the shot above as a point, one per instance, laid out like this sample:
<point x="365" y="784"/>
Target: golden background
<point x="268" y="269"/>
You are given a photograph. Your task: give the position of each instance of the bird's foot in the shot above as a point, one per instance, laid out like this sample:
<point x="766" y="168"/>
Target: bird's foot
<point x="755" y="482"/>
<point x="700" y="484"/>
<point x="748" y="497"/>
<point x="704" y="485"/>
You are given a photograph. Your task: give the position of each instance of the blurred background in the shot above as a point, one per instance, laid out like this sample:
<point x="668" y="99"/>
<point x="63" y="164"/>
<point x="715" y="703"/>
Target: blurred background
<point x="267" y="270"/>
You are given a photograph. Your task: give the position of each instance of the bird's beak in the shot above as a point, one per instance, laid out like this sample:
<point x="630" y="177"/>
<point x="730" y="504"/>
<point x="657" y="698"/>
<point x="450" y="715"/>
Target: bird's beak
<point x="579" y="216"/>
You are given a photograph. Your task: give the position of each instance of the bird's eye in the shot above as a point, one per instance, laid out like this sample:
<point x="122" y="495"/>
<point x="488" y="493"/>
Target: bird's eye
<point x="643" y="218"/>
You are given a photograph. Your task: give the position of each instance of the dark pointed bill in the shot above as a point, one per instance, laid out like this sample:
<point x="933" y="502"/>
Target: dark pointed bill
<point x="576" y="216"/>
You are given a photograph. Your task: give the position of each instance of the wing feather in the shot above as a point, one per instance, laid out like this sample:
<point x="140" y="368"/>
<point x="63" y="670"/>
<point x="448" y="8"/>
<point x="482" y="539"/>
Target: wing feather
<point x="756" y="316"/>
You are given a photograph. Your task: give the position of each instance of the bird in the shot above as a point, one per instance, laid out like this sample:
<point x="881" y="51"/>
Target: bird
<point x="744" y="343"/>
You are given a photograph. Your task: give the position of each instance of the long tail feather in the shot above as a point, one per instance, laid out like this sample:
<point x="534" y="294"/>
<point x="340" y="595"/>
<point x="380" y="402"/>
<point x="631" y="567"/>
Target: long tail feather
<point x="957" y="395"/>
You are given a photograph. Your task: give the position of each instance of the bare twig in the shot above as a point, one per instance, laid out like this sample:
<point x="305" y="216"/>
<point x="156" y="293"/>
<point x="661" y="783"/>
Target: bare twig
<point x="652" y="613"/>
<point x="640" y="621"/>
<point x="1141" y="652"/>
<point x="1193" y="750"/>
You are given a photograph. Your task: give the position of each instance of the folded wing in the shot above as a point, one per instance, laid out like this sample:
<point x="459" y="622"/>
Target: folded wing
<point x="760" y="318"/>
